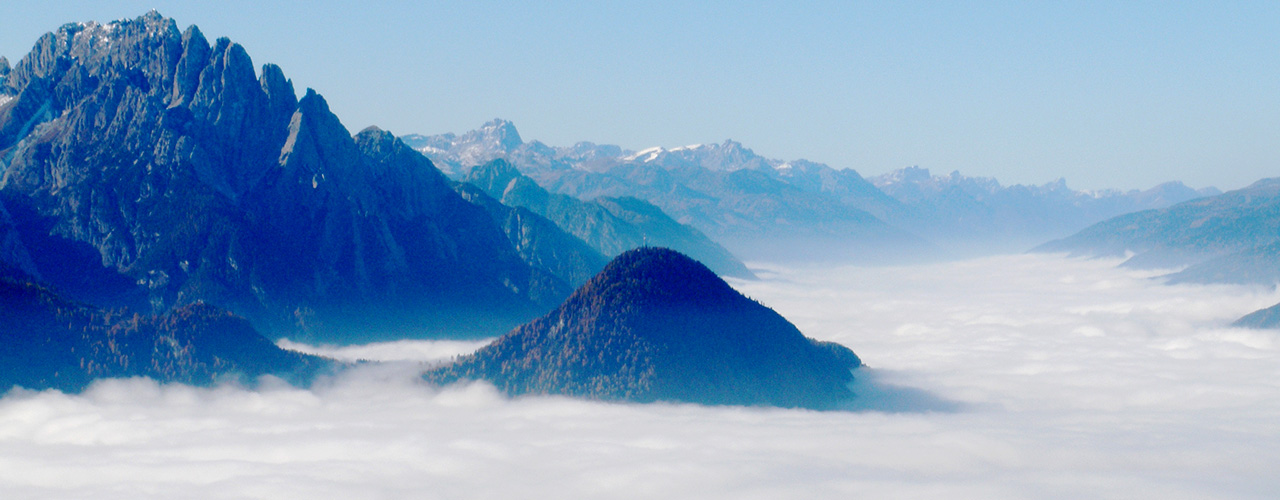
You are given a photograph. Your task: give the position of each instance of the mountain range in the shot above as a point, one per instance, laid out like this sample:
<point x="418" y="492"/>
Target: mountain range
<point x="159" y="199"/>
<point x="146" y="167"/>
<point x="609" y="225"/>
<point x="953" y="208"/>
<point x="1233" y="237"/>
<point x="762" y="208"/>
<point x="162" y="202"/>
<point x="750" y="211"/>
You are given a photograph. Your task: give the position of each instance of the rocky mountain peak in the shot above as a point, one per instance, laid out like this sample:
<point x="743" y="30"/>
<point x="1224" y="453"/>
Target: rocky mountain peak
<point x="388" y="156"/>
<point x="167" y="162"/>
<point x="195" y="56"/>
<point x="139" y="48"/>
<point x="912" y="174"/>
<point x="735" y="147"/>
<point x="278" y="88"/>
<point x="499" y="133"/>
<point x="1059" y="184"/>
<point x="374" y="135"/>
<point x="318" y="147"/>
<point x="456" y="154"/>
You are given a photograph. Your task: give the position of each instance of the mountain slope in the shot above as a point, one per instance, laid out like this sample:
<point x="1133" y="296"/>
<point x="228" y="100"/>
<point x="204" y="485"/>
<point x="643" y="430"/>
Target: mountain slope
<point x="186" y="173"/>
<point x="15" y="260"/>
<point x="753" y="212"/>
<point x="1261" y="319"/>
<point x="1230" y="238"/>
<point x="978" y="212"/>
<point x="48" y="342"/>
<point x="541" y="243"/>
<point x="658" y="326"/>
<point x="610" y="225"/>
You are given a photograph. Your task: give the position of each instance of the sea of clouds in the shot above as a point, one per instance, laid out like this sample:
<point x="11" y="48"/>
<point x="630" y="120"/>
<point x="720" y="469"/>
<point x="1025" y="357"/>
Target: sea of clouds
<point x="1006" y="377"/>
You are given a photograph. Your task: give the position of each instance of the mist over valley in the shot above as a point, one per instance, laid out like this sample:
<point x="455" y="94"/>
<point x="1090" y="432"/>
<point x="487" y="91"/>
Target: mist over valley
<point x="1028" y="376"/>
<point x="210" y="287"/>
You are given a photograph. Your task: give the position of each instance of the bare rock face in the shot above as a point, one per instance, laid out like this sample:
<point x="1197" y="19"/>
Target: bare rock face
<point x="198" y="180"/>
<point x="655" y="325"/>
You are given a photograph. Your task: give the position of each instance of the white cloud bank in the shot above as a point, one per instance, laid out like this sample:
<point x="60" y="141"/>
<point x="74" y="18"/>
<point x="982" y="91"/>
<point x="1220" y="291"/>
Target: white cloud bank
<point x="402" y="350"/>
<point x="1077" y="380"/>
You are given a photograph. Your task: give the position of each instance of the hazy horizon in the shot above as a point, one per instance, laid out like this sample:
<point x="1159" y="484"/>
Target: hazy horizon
<point x="1004" y="376"/>
<point x="1118" y="96"/>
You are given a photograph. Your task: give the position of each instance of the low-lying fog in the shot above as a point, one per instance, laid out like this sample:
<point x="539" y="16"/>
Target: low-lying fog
<point x="1028" y="376"/>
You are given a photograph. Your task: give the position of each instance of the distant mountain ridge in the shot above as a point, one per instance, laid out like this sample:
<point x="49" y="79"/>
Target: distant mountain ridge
<point x="753" y="212"/>
<point x="749" y="202"/>
<point x="955" y="205"/>
<point x="1233" y="237"/>
<point x="610" y="225"/>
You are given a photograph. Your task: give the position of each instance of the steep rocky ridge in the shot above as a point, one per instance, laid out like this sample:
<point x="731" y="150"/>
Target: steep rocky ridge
<point x="190" y="175"/>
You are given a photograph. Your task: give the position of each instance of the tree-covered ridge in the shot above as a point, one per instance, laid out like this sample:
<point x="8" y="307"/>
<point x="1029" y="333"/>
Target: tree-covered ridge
<point x="655" y="325"/>
<point x="47" y="341"/>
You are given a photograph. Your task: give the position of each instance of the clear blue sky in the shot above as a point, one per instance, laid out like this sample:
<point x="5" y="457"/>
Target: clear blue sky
<point x="1105" y="94"/>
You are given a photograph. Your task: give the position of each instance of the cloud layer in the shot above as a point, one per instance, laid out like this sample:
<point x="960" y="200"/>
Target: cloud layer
<point x="1072" y="379"/>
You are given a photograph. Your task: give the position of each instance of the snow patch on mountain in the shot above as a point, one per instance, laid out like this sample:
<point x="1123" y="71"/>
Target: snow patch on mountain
<point x="727" y="190"/>
<point x="645" y="155"/>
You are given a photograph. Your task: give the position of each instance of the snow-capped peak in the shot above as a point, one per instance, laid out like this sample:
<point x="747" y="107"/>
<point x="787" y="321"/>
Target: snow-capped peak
<point x="690" y="147"/>
<point x="645" y="155"/>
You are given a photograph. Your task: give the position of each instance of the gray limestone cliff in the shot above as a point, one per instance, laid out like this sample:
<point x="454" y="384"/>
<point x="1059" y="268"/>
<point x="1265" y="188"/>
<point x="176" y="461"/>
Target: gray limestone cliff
<point x="199" y="180"/>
